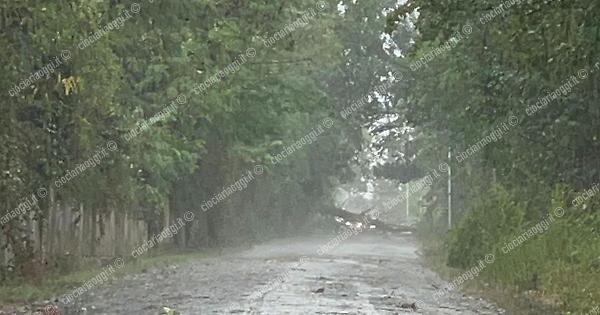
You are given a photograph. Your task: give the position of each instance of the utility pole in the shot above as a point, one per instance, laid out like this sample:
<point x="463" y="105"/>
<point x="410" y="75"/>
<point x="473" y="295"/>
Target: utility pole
<point x="449" y="188"/>
<point x="407" y="201"/>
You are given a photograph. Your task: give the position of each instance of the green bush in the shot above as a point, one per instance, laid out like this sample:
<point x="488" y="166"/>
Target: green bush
<point x="493" y="217"/>
<point x="560" y="262"/>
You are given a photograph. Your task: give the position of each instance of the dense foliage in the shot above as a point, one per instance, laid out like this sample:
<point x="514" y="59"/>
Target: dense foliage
<point x="187" y="97"/>
<point x="524" y="75"/>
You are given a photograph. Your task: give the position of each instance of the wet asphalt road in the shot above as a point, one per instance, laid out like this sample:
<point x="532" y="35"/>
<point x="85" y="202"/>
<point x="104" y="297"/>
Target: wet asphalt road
<point x="365" y="274"/>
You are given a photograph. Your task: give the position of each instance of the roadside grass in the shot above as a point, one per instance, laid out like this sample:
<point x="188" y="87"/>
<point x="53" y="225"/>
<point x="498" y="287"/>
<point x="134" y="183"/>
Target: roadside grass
<point x="54" y="285"/>
<point x="553" y="271"/>
<point x="435" y="256"/>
